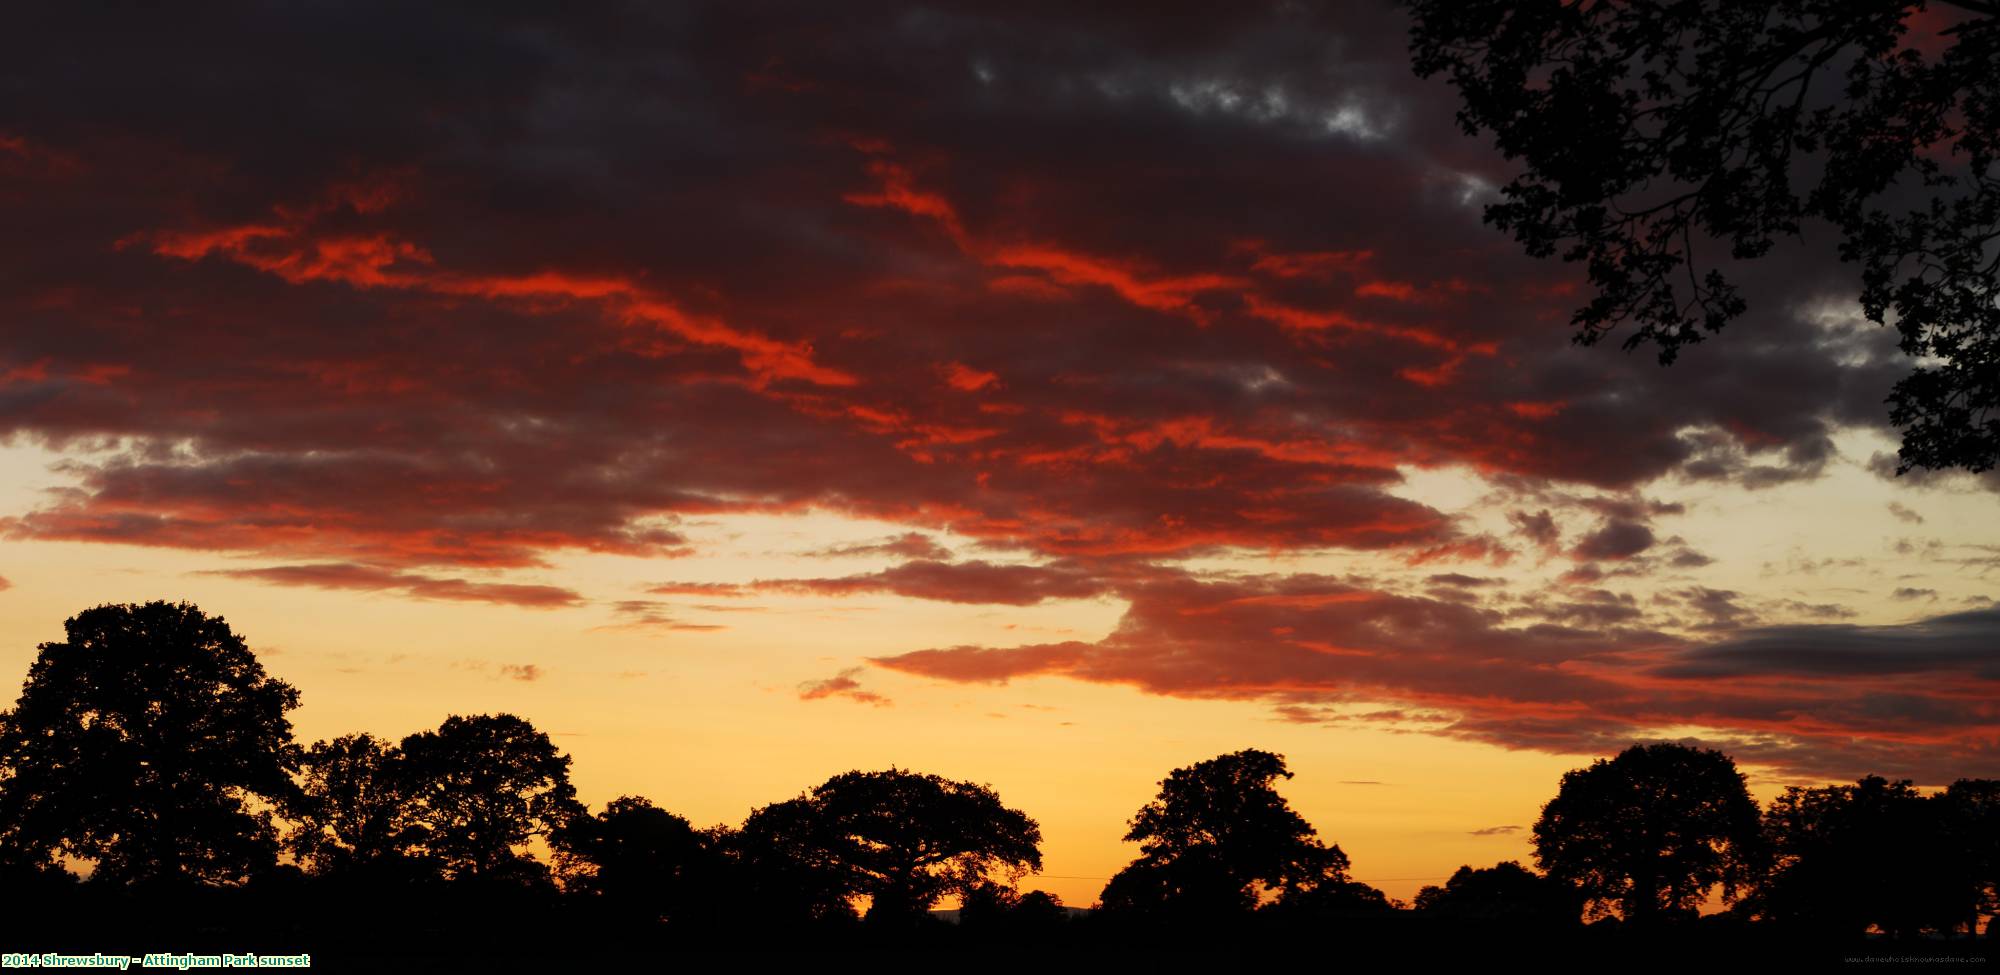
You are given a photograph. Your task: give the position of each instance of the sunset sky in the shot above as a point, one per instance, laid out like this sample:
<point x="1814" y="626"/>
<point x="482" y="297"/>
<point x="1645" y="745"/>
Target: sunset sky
<point x="748" y="393"/>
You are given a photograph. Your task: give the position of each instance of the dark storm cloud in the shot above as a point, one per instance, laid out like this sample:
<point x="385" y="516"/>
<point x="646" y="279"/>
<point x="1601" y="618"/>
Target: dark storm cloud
<point x="1965" y="643"/>
<point x="1539" y="528"/>
<point x="1588" y="607"/>
<point x="1714" y="608"/>
<point x="1615" y="539"/>
<point x="1884" y="465"/>
<point x="525" y="174"/>
<point x="373" y="290"/>
<point x="1688" y="558"/>
<point x="1459" y="580"/>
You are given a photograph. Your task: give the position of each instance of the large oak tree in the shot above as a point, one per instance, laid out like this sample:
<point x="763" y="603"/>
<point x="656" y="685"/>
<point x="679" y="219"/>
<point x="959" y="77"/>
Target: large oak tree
<point x="901" y="839"/>
<point x="1652" y="832"/>
<point x="1219" y="838"/>
<point x="151" y="743"/>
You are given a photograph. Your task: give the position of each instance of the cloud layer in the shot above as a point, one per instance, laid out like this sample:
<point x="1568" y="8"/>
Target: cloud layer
<point x="1094" y="291"/>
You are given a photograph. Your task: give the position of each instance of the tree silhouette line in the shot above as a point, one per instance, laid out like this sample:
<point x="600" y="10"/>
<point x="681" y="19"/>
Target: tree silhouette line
<point x="150" y="788"/>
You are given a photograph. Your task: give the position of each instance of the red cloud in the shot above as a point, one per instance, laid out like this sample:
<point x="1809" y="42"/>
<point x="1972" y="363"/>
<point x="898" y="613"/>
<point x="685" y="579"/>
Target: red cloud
<point x="1298" y="641"/>
<point x="380" y="261"/>
<point x="961" y="582"/>
<point x="1054" y="315"/>
<point x="1171" y="293"/>
<point x="899" y="191"/>
<point x="1399" y="290"/>
<point x="712" y="589"/>
<point x="909" y="545"/>
<point x="645" y="614"/>
<point x="1320" y="265"/>
<point x="964" y="378"/>
<point x="844" y="685"/>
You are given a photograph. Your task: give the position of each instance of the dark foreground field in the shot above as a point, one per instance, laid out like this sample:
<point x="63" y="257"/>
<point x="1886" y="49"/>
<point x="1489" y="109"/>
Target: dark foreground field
<point x="419" y="933"/>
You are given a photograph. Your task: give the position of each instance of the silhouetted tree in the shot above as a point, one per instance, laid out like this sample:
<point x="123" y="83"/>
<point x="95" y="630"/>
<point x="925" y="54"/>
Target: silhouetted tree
<point x="1649" y="130"/>
<point x="1876" y="853"/>
<point x="638" y="860"/>
<point x="1971" y="816"/>
<point x="151" y="742"/>
<point x="357" y="812"/>
<point x="780" y="861"/>
<point x="1001" y="912"/>
<point x="986" y="901"/>
<point x="1194" y="884"/>
<point x="1218" y="839"/>
<point x="1330" y="897"/>
<point x="1503" y="893"/>
<point x="483" y="787"/>
<point x="1651" y="831"/>
<point x="901" y="839"/>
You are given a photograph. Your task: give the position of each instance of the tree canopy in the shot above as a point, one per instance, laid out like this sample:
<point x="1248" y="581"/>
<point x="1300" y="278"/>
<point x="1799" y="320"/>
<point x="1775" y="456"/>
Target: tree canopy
<point x="1875" y="854"/>
<point x="484" y="786"/>
<point x="357" y="810"/>
<point x="782" y="860"/>
<point x="1218" y="838"/>
<point x="1664" y="141"/>
<point x="1505" y="892"/>
<point x="902" y="839"/>
<point x="150" y="742"/>
<point x="1651" y="831"/>
<point x="639" y="859"/>
<point x="1970" y="812"/>
<point x="1001" y="911"/>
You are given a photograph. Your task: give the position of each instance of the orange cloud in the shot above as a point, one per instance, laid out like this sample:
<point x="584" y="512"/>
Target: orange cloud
<point x="1170" y="293"/>
<point x="348" y="575"/>
<point x="844" y="685"/>
<point x="964" y="378"/>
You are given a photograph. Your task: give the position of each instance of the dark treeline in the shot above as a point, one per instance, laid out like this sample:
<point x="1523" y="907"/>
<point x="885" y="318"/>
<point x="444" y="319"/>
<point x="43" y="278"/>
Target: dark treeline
<point x="152" y="798"/>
